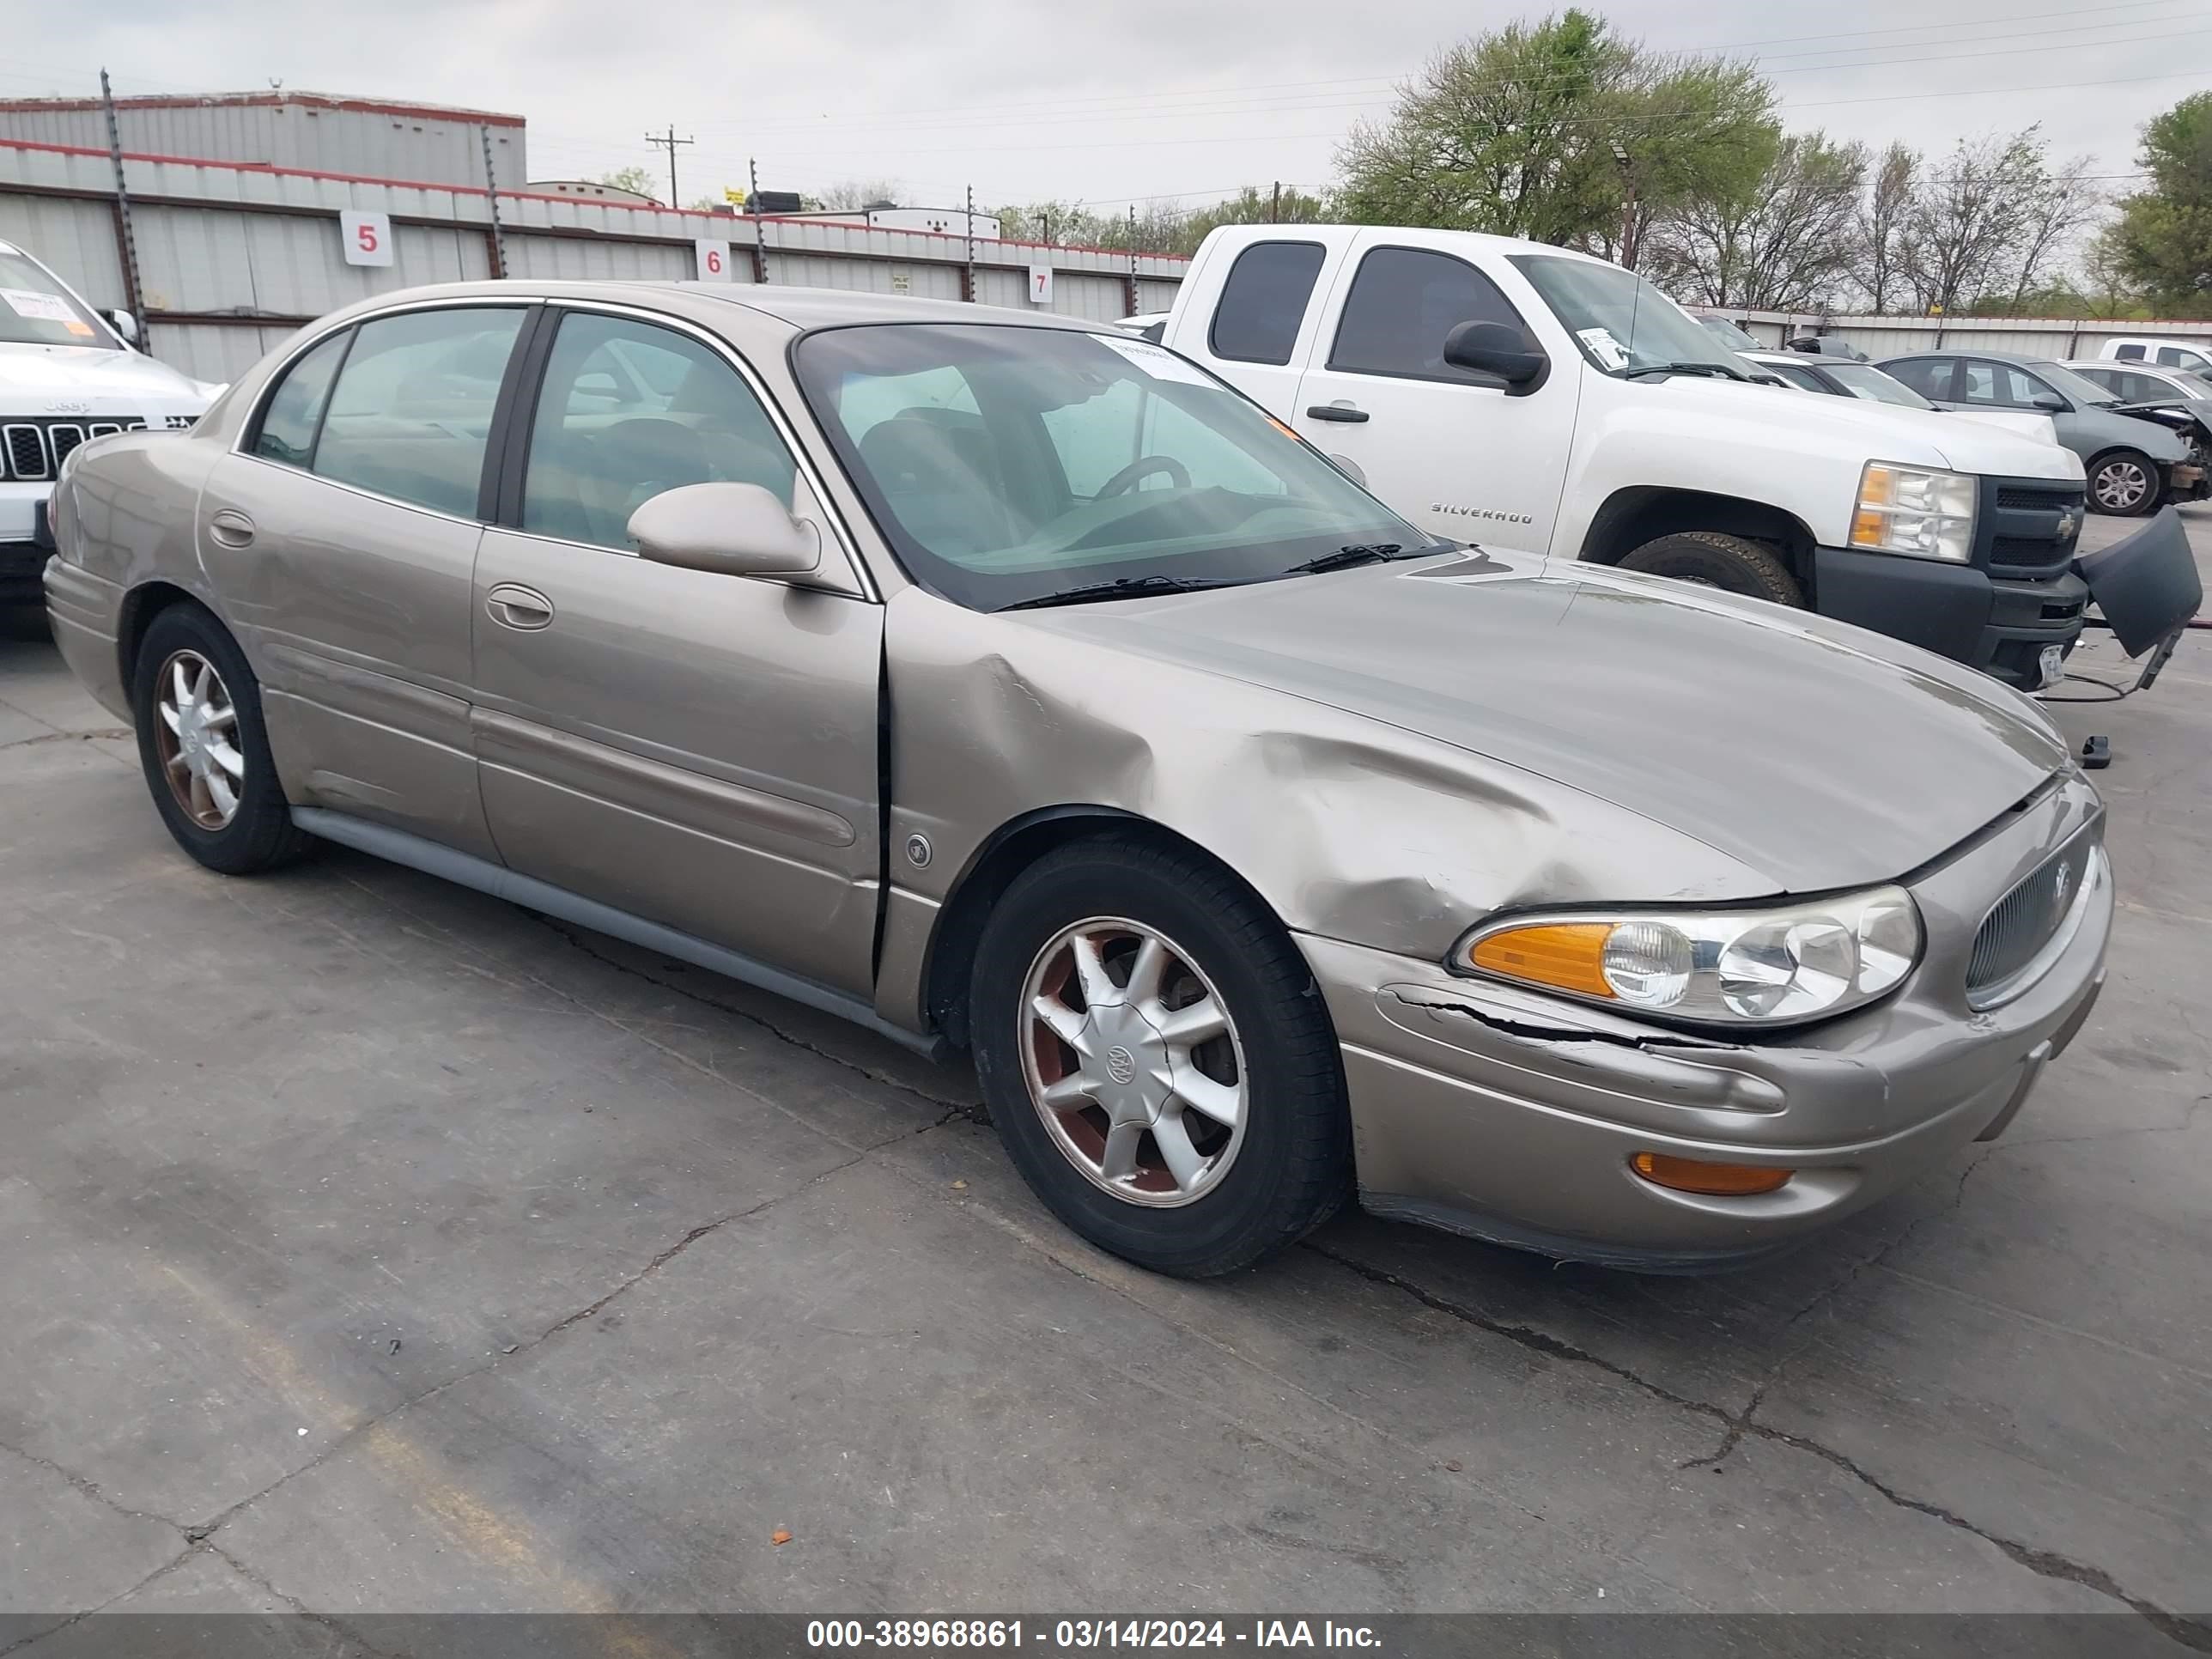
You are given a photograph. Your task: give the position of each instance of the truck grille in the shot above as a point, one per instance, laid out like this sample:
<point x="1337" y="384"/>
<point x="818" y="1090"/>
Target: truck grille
<point x="36" y="449"/>
<point x="2030" y="526"/>
<point x="2029" y="499"/>
<point x="2027" y="920"/>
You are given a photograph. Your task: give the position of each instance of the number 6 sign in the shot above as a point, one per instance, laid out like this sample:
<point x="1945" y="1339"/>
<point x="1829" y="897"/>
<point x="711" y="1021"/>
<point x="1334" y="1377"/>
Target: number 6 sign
<point x="367" y="237"/>
<point x="714" y="259"/>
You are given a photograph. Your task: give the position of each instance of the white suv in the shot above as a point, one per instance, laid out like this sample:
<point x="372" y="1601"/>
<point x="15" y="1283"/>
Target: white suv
<point x="67" y="375"/>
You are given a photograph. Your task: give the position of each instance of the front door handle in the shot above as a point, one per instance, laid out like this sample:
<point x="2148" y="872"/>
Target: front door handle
<point x="1350" y="414"/>
<point x="513" y="605"/>
<point x="231" y="527"/>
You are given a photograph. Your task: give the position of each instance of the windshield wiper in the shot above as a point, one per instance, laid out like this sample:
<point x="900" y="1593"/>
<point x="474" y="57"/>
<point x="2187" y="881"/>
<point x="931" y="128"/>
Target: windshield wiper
<point x="1720" y="369"/>
<point x="1345" y="557"/>
<point x="1122" y="587"/>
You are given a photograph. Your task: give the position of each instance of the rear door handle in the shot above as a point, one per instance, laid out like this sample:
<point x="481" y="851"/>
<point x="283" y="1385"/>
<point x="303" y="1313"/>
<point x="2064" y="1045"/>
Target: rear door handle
<point x="231" y="527"/>
<point x="1351" y="413"/>
<point x="513" y="605"/>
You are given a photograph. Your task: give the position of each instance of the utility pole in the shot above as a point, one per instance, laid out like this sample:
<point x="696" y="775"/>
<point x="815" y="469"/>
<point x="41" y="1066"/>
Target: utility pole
<point x="127" y="238"/>
<point x="491" y="196"/>
<point x="968" y="224"/>
<point x="1134" y="305"/>
<point x="1275" y="206"/>
<point x="1628" y="248"/>
<point x="752" y="206"/>
<point x="669" y="144"/>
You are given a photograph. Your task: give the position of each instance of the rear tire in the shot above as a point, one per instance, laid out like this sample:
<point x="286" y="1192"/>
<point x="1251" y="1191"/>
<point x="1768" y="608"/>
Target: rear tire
<point x="1186" y="1195"/>
<point x="1712" y="560"/>
<point x="2124" y="484"/>
<point x="215" y="788"/>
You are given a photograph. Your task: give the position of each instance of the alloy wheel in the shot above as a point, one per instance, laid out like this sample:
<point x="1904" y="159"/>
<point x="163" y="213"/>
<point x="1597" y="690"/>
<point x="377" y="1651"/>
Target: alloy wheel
<point x="2121" y="485"/>
<point x="1133" y="1061"/>
<point x="198" y="740"/>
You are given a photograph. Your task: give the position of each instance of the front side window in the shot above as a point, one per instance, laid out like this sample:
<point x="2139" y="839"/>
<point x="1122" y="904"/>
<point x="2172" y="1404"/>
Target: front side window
<point x="1264" y="300"/>
<point x="1021" y="463"/>
<point x="2129" y="353"/>
<point x="1996" y="386"/>
<point x="294" y="414"/>
<point x="1404" y="301"/>
<point x="1622" y="324"/>
<point x="35" y="311"/>
<point x="1865" y="380"/>
<point x="411" y="411"/>
<point x="629" y="410"/>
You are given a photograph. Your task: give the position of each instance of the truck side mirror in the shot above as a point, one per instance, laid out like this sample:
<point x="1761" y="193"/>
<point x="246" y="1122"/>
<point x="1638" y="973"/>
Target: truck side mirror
<point x="1494" y="348"/>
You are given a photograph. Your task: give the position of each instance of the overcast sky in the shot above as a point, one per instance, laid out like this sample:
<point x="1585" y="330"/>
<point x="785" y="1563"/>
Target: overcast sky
<point x="1107" y="101"/>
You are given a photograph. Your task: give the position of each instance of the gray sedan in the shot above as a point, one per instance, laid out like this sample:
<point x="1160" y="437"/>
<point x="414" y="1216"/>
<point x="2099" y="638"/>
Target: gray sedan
<point x="1004" y="683"/>
<point x="2135" y="465"/>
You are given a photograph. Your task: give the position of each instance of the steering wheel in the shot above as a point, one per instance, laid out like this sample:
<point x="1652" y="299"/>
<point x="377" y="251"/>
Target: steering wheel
<point x="1144" y="466"/>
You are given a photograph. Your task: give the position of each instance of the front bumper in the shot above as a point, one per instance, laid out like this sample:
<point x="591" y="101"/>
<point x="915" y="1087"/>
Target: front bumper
<point x="1998" y="624"/>
<point x="1512" y="1116"/>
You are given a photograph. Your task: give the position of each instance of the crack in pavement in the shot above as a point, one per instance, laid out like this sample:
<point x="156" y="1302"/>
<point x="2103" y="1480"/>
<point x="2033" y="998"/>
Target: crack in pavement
<point x="89" y="1488"/>
<point x="2190" y="1633"/>
<point x="336" y="1627"/>
<point x="573" y="937"/>
<point x="168" y="1566"/>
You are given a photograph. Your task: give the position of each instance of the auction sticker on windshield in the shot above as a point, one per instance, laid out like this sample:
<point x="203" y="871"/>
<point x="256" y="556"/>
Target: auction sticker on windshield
<point x="46" y="308"/>
<point x="1600" y="341"/>
<point x="1160" y="364"/>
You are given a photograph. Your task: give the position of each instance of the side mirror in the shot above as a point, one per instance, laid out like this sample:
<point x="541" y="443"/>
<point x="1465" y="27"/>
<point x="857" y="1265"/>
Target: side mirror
<point x="2048" y="402"/>
<point x="1494" y="348"/>
<point x="729" y="529"/>
<point x="124" y="323"/>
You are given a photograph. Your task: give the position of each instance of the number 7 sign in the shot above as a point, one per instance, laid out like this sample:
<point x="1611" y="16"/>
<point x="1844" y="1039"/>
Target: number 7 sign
<point x="365" y="237"/>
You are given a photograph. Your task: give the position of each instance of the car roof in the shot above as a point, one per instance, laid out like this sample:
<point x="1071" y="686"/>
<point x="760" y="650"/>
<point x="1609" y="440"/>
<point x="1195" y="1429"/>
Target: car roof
<point x="2016" y="359"/>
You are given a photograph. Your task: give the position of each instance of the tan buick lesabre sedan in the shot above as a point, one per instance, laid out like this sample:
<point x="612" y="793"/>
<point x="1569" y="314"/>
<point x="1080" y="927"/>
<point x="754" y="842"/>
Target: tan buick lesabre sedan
<point x="1007" y="682"/>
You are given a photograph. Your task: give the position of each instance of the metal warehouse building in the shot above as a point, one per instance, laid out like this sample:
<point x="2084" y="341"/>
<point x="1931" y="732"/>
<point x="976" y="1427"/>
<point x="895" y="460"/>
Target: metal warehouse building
<point x="428" y="144"/>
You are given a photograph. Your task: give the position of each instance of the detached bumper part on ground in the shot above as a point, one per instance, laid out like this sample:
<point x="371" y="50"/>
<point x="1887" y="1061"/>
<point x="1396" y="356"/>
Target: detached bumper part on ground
<point x="1514" y="1116"/>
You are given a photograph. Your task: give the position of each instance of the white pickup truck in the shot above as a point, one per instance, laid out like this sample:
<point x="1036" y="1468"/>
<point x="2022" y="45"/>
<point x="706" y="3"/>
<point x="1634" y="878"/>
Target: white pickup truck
<point x="1516" y="394"/>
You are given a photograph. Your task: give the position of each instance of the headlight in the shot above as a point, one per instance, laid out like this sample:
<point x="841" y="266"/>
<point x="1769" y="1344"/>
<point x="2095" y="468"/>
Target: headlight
<point x="1776" y="966"/>
<point x="1916" y="511"/>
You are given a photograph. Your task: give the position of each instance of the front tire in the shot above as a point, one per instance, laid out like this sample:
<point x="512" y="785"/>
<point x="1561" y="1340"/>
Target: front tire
<point x="2124" y="484"/>
<point x="204" y="748"/>
<point x="1710" y="559"/>
<point x="1158" y="1058"/>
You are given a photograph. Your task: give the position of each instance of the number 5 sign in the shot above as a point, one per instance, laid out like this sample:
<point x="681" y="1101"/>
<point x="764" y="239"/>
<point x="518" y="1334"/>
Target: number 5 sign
<point x="714" y="259"/>
<point x="367" y="237"/>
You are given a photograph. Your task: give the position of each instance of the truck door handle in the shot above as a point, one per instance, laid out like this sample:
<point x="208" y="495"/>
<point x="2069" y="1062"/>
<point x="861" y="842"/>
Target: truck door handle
<point x="1351" y="413"/>
<point x="231" y="527"/>
<point x="513" y="605"/>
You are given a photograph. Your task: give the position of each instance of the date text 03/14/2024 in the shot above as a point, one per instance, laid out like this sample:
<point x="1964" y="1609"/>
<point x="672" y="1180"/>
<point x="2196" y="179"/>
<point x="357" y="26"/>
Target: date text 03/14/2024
<point x="1085" y="1634"/>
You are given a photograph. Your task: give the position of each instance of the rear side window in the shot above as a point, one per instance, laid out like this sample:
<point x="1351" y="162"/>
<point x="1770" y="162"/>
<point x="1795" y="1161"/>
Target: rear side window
<point x="411" y="411"/>
<point x="2129" y="353"/>
<point x="289" y="424"/>
<point x="1264" y="300"/>
<point x="2181" y="357"/>
<point x="1403" y="302"/>
<point x="1928" y="376"/>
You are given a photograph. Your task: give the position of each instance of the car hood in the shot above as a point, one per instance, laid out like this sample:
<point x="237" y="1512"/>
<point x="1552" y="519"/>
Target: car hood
<point x="1816" y="754"/>
<point x="1869" y="431"/>
<point x="49" y="380"/>
<point x="2111" y="425"/>
<point x="2037" y="427"/>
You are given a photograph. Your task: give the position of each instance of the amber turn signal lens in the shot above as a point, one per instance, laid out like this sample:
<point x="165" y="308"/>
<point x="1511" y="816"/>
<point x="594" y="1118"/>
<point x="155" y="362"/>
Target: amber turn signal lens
<point x="1568" y="955"/>
<point x="1689" y="1175"/>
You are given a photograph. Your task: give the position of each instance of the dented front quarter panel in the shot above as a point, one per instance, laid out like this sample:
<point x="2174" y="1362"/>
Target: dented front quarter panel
<point x="1350" y="828"/>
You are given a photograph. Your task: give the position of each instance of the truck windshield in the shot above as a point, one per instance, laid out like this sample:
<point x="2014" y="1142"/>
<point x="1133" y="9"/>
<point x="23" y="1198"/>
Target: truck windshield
<point x="1620" y="321"/>
<point x="1008" y="464"/>
<point x="34" y="310"/>
<point x="1865" y="380"/>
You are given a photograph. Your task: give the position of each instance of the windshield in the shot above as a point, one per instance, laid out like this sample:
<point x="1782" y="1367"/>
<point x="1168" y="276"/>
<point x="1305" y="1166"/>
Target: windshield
<point x="1734" y="338"/>
<point x="2067" y="384"/>
<point x="1865" y="380"/>
<point x="1621" y="322"/>
<point x="34" y="310"/>
<point x="1008" y="464"/>
<point x="2192" y="384"/>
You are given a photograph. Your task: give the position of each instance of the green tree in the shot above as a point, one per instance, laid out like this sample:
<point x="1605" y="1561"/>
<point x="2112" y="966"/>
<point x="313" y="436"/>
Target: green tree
<point x="635" y="179"/>
<point x="1561" y="131"/>
<point x="2162" y="243"/>
<point x="1258" y="204"/>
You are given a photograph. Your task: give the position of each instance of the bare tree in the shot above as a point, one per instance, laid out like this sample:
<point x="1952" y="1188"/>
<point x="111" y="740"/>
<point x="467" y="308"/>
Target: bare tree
<point x="2059" y="210"/>
<point x="1966" y="224"/>
<point x="1881" y="248"/>
<point x="1784" y="244"/>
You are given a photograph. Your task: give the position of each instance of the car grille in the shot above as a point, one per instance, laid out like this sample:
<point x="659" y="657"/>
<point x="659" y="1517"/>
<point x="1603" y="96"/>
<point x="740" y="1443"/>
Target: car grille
<point x="2024" y="920"/>
<point x="36" y="449"/>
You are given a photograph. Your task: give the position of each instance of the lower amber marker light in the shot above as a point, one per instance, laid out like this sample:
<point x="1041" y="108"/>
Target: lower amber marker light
<point x="1691" y="1174"/>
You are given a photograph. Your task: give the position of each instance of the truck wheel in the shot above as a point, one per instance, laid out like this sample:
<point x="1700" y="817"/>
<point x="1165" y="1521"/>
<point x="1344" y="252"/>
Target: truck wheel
<point x="2124" y="484"/>
<point x="1158" y="1059"/>
<point x="1712" y="560"/>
